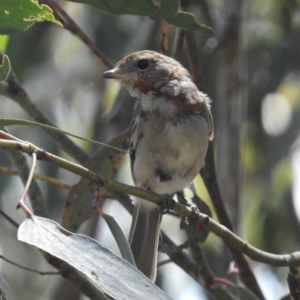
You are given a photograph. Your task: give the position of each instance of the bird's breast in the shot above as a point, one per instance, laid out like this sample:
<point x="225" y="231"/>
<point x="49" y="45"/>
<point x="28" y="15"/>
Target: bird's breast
<point x="168" y="152"/>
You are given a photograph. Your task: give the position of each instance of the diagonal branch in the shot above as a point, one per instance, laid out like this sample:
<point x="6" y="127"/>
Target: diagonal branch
<point x="62" y="16"/>
<point x="221" y="231"/>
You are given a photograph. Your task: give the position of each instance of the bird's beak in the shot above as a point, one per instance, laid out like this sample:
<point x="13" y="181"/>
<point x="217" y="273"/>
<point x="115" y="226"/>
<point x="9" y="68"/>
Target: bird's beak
<point x="114" y="74"/>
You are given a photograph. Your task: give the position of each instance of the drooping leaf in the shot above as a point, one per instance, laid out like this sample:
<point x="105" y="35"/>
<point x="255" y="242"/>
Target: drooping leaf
<point x="168" y="11"/>
<point x="19" y="15"/>
<point x="112" y="274"/>
<point x="105" y="162"/>
<point x="123" y="7"/>
<point x="187" y="21"/>
<point x="4" y="67"/>
<point x="120" y="238"/>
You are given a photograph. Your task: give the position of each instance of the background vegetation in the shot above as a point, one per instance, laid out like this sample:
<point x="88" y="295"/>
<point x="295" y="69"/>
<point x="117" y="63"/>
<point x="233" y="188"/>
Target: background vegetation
<point x="249" y="66"/>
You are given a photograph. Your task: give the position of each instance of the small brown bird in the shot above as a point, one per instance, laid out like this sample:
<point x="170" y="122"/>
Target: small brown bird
<point x="169" y="136"/>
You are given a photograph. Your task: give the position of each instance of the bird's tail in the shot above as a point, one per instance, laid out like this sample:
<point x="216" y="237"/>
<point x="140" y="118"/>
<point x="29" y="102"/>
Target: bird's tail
<point x="144" y="237"/>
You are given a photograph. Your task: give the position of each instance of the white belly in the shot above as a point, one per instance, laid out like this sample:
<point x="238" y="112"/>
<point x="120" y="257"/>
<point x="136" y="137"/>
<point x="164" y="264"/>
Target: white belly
<point x="177" y="149"/>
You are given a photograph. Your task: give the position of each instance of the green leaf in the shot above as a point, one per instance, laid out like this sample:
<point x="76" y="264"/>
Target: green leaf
<point x="4" y="67"/>
<point x="123" y="7"/>
<point x="187" y="21"/>
<point x="3" y="42"/>
<point x="168" y="9"/>
<point x="112" y="274"/>
<point x="19" y="15"/>
<point x="119" y="237"/>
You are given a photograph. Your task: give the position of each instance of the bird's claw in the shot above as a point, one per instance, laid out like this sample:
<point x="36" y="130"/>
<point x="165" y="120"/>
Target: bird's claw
<point x="192" y="219"/>
<point x="166" y="204"/>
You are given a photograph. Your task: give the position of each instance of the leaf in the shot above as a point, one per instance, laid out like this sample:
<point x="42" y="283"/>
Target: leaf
<point x="168" y="11"/>
<point x="3" y="42"/>
<point x="105" y="162"/>
<point x="197" y="232"/>
<point x="112" y="274"/>
<point x="123" y="7"/>
<point x="3" y="288"/>
<point x="120" y="238"/>
<point x="4" y="68"/>
<point x="187" y="21"/>
<point x="19" y="15"/>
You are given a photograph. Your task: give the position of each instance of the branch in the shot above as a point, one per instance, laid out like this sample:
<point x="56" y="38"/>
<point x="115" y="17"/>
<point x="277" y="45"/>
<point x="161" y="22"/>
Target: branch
<point x="21" y="203"/>
<point x="35" y="195"/>
<point x="62" y="16"/>
<point x="191" y="267"/>
<point x="9" y="219"/>
<point x="47" y="179"/>
<point x="221" y="231"/>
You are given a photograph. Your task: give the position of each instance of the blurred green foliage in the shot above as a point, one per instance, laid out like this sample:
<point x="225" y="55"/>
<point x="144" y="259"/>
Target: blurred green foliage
<point x="64" y="80"/>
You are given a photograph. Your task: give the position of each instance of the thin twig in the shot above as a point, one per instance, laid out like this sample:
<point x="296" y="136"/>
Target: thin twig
<point x="181" y="259"/>
<point x="163" y="262"/>
<point x="62" y="16"/>
<point x="28" y="269"/>
<point x="206" y="275"/>
<point x="48" y="179"/>
<point x="21" y="203"/>
<point x="7" y="136"/>
<point x="9" y="219"/>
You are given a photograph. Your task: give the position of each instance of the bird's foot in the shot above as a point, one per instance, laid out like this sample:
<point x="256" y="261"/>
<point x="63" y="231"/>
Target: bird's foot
<point x="192" y="219"/>
<point x="166" y="204"/>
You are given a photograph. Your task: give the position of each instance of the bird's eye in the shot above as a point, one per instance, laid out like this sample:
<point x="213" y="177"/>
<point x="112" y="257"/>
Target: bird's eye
<point x="143" y="64"/>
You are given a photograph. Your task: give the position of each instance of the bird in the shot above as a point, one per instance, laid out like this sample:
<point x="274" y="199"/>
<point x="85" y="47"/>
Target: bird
<point x="170" y="130"/>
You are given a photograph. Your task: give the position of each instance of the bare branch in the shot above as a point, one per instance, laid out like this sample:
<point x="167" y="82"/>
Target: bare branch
<point x="62" y="16"/>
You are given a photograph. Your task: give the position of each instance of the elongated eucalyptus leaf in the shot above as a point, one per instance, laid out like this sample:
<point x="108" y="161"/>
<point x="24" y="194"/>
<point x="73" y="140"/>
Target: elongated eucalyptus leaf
<point x="112" y="274"/>
<point x="120" y="238"/>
